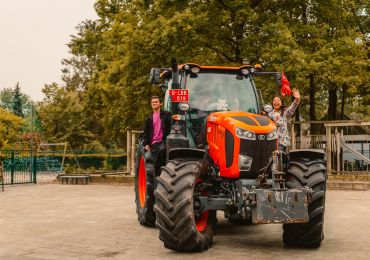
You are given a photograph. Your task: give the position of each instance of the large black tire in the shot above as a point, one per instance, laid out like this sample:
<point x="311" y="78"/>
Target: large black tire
<point x="181" y="228"/>
<point x="311" y="172"/>
<point x="144" y="189"/>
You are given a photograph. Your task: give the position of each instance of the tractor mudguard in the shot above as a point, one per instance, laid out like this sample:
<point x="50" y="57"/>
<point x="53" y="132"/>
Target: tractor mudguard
<point x="307" y="153"/>
<point x="186" y="153"/>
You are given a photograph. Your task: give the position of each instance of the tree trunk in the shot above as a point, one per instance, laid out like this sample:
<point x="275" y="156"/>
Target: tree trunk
<point x="332" y="109"/>
<point x="344" y="89"/>
<point x="312" y="92"/>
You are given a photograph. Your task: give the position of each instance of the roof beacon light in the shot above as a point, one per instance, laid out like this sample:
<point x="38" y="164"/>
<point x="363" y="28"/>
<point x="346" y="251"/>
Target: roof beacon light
<point x="258" y="66"/>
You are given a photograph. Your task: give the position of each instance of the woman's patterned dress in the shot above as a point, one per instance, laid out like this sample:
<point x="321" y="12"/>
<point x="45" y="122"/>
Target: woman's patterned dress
<point x="281" y="121"/>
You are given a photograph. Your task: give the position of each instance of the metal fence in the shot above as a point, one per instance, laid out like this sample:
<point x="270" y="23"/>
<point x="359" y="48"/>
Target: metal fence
<point x="23" y="166"/>
<point x="19" y="166"/>
<point x="80" y="160"/>
<point x="107" y="160"/>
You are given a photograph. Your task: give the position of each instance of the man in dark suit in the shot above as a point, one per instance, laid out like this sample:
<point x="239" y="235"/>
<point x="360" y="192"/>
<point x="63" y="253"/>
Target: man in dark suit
<point x="156" y="129"/>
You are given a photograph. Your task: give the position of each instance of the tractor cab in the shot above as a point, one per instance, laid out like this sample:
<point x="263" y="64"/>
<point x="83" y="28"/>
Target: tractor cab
<point x="212" y="89"/>
<point x="208" y="89"/>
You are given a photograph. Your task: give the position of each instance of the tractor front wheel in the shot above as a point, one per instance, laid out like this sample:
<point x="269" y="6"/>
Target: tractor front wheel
<point x="311" y="172"/>
<point x="182" y="227"/>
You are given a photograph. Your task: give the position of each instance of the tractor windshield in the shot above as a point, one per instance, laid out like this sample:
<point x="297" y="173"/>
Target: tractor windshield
<point x="221" y="91"/>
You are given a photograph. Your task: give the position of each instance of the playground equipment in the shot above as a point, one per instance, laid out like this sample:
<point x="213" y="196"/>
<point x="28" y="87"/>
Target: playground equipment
<point x="51" y="156"/>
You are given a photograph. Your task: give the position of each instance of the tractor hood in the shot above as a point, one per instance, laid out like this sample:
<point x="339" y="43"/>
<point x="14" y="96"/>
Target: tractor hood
<point x="247" y="121"/>
<point x="240" y="143"/>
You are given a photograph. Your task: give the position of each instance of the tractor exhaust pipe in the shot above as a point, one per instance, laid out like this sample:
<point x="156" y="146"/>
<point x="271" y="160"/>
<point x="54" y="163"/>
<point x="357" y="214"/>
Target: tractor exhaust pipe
<point x="175" y="74"/>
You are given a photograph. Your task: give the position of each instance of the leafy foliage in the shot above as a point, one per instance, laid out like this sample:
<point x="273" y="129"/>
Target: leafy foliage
<point x="7" y="100"/>
<point x="10" y="128"/>
<point x="322" y="46"/>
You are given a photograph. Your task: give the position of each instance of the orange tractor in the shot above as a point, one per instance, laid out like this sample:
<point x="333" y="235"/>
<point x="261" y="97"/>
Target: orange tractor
<point x="222" y="155"/>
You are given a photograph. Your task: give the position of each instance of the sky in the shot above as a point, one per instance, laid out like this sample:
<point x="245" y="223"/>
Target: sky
<point x="33" y="38"/>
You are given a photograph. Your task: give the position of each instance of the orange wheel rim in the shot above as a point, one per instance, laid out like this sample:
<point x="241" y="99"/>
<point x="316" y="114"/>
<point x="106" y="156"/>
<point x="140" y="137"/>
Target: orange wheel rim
<point x="142" y="182"/>
<point x="202" y="221"/>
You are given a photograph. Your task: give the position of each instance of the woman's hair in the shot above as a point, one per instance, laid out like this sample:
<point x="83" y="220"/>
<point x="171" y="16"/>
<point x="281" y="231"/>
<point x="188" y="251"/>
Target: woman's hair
<point x="283" y="107"/>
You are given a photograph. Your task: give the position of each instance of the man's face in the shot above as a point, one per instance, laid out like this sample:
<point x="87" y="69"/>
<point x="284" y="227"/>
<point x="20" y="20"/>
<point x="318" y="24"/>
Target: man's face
<point x="156" y="104"/>
<point x="276" y="103"/>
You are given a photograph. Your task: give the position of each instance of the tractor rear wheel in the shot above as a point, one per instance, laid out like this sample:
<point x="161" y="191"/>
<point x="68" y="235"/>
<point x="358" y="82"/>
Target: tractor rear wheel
<point x="181" y="226"/>
<point x="144" y="190"/>
<point x="311" y="172"/>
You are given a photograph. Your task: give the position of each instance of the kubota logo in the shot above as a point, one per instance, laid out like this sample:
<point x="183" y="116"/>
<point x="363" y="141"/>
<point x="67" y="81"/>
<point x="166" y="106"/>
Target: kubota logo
<point x="261" y="137"/>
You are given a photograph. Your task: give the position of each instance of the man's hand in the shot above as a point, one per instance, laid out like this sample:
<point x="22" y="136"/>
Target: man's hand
<point x="296" y="94"/>
<point x="147" y="147"/>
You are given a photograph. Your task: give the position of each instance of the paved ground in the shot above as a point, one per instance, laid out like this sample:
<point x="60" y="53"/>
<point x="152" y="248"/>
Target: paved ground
<point x="51" y="221"/>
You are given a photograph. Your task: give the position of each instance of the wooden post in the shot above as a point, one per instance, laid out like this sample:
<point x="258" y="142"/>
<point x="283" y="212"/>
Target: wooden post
<point x="64" y="156"/>
<point x="133" y="142"/>
<point x="338" y="149"/>
<point x="328" y="149"/>
<point x="128" y="151"/>
<point x="342" y="152"/>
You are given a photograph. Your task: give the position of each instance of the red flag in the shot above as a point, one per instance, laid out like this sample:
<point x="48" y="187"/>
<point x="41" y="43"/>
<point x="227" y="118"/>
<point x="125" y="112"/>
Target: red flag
<point x="285" y="85"/>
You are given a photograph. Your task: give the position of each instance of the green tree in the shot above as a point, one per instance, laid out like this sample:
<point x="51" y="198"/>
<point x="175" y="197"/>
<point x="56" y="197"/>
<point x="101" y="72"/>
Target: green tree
<point x="10" y="128"/>
<point x="62" y="117"/>
<point x="6" y="99"/>
<point x="17" y="101"/>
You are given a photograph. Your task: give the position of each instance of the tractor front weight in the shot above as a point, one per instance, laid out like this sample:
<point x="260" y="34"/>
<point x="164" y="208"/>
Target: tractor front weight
<point x="263" y="206"/>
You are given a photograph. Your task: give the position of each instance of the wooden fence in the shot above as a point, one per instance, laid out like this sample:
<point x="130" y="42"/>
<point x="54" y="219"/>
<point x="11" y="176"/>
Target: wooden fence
<point x="346" y="144"/>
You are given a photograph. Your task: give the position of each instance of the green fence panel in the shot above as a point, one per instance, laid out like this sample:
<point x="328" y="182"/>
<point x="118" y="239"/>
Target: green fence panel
<point x="19" y="166"/>
<point x="23" y="166"/>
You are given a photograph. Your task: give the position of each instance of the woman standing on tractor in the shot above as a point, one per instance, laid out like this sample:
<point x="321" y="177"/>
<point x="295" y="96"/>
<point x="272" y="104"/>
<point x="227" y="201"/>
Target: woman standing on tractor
<point x="280" y="114"/>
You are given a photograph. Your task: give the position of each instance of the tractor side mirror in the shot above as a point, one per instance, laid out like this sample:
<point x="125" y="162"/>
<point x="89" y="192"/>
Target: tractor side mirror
<point x="267" y="108"/>
<point x="155" y="77"/>
<point x="278" y="79"/>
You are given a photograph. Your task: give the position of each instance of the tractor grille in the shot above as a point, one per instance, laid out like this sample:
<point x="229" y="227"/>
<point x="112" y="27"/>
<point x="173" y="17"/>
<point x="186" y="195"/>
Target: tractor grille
<point x="259" y="150"/>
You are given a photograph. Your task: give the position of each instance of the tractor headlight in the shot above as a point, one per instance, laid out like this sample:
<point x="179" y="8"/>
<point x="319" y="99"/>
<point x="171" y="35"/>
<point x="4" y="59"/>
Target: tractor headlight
<point x="272" y="135"/>
<point x="244" y="162"/>
<point x="245" y="71"/>
<point x="195" y="70"/>
<point x="245" y="134"/>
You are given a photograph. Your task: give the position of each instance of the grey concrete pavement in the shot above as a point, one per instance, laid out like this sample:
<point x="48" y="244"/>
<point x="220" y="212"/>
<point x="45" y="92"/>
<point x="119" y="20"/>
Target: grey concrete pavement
<point x="51" y="221"/>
